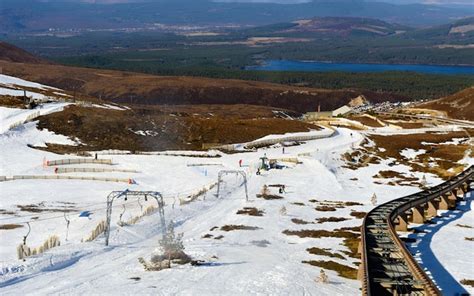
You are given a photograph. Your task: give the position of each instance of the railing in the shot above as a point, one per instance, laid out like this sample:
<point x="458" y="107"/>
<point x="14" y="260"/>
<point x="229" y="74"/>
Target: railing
<point x="399" y="207"/>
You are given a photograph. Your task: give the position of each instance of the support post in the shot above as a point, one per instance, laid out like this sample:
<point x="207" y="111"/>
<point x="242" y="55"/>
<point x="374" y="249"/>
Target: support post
<point x="402" y="223"/>
<point x="452" y="199"/>
<point x="418" y="215"/>
<point x="432" y="210"/>
<point x="443" y="203"/>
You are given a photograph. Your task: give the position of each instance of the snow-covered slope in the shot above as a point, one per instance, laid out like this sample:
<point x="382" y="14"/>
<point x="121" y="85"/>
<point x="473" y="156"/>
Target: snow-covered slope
<point x="264" y="261"/>
<point x="16" y="87"/>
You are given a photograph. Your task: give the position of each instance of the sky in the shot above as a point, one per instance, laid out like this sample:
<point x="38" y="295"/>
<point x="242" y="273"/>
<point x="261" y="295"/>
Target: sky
<point x="465" y="2"/>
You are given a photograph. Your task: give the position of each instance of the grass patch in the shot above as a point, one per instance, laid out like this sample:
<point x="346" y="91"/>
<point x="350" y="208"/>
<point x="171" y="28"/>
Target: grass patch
<point x="269" y="196"/>
<point x="207" y="235"/>
<point x="219" y="237"/>
<point x="325" y="209"/>
<point x="10" y="226"/>
<point x="469" y="239"/>
<point x="331" y="219"/>
<point x="341" y="269"/>
<point x="324" y="252"/>
<point x="463" y="226"/>
<point x="238" y="227"/>
<point x="5" y="212"/>
<point x="298" y="203"/>
<point x="250" y="211"/>
<point x="358" y="215"/>
<point x="467" y="282"/>
<point x="299" y="221"/>
<point x="319" y="233"/>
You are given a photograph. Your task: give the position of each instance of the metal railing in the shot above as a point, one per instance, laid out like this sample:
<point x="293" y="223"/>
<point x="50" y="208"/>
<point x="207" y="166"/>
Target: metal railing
<point x="393" y="210"/>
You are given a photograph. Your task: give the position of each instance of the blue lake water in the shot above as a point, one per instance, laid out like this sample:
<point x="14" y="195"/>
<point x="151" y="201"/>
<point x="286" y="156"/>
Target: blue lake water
<point x="310" y="66"/>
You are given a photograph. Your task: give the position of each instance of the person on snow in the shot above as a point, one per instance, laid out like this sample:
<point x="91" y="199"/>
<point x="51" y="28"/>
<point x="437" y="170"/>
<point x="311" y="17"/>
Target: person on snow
<point x="240" y="163"/>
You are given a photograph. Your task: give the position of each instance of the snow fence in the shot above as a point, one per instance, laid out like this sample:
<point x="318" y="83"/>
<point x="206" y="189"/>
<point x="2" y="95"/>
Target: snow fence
<point x="78" y="161"/>
<point x="55" y="177"/>
<point x="91" y="170"/>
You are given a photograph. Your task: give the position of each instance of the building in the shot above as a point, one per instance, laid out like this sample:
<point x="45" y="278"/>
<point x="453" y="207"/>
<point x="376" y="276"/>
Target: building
<point x="341" y="111"/>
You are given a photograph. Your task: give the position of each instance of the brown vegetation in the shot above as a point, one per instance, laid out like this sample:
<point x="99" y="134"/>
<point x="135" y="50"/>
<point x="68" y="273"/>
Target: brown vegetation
<point x="341" y="269"/>
<point x="14" y="54"/>
<point x="358" y="215"/>
<point x="467" y="282"/>
<point x="324" y="252"/>
<point x="10" y="226"/>
<point x="459" y="105"/>
<point x="312" y="233"/>
<point x="440" y="158"/>
<point x="446" y="156"/>
<point x="298" y="203"/>
<point x="12" y="102"/>
<point x="325" y="209"/>
<point x="238" y="227"/>
<point x="300" y="221"/>
<point x="269" y="196"/>
<point x="250" y="211"/>
<point x="367" y="121"/>
<point x="136" y="88"/>
<point x="152" y="128"/>
<point x="331" y="219"/>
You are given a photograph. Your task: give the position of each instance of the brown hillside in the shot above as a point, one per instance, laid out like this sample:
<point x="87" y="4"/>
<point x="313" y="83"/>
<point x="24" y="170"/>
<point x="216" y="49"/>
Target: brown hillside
<point x="12" y="53"/>
<point x="153" y="128"/>
<point x="128" y="87"/>
<point x="459" y="105"/>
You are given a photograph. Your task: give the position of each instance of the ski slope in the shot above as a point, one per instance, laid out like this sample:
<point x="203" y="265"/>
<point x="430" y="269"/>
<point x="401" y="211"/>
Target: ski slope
<point x="243" y="262"/>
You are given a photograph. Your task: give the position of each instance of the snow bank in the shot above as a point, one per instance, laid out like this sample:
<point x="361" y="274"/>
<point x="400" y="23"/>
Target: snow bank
<point x="14" y="82"/>
<point x="13" y="117"/>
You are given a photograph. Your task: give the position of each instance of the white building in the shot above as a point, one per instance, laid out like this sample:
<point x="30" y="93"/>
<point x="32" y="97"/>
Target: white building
<point x="341" y="111"/>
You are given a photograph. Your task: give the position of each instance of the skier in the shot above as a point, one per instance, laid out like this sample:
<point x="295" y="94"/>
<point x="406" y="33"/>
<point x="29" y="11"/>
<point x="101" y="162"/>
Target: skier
<point x="283" y="150"/>
<point x="323" y="278"/>
<point x="240" y="163"/>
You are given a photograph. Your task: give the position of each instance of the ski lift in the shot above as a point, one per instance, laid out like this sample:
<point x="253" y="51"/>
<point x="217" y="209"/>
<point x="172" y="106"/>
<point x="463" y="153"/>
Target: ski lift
<point x="26" y="236"/>
<point x="120" y="222"/>
<point x="67" y="224"/>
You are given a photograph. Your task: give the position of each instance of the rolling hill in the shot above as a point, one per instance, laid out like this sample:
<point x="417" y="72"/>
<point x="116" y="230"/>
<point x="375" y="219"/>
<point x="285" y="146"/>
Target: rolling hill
<point x="137" y="88"/>
<point x="11" y="53"/>
<point x="459" y="105"/>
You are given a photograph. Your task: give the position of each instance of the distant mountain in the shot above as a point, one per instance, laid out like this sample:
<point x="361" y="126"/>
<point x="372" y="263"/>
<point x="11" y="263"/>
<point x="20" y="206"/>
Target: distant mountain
<point x="341" y="26"/>
<point x="39" y="16"/>
<point x="457" y="34"/>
